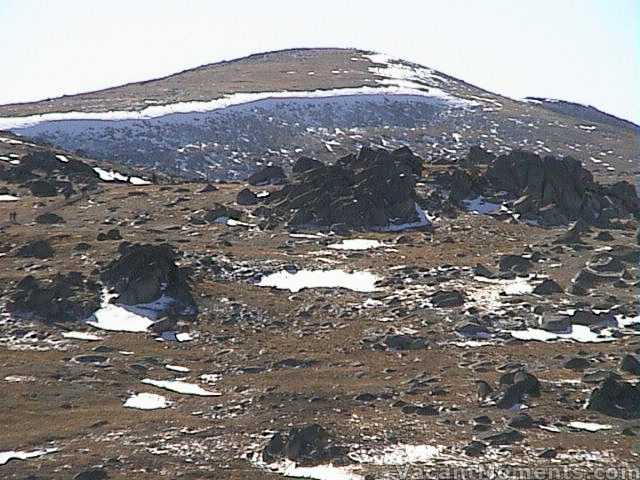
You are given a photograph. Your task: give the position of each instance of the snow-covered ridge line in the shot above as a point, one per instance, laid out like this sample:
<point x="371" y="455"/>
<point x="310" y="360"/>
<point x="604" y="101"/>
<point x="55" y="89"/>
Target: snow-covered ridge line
<point x="154" y="111"/>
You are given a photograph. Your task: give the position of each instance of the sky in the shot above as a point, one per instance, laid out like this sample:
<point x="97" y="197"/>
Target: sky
<point x="586" y="51"/>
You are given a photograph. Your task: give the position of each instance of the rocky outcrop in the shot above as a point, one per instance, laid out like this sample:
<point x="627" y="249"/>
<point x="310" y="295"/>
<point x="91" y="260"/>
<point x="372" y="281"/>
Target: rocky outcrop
<point x="372" y="190"/>
<point x="562" y="186"/>
<point x="64" y="298"/>
<point x="44" y="172"/>
<point x="145" y="272"/>
<point x="548" y="190"/>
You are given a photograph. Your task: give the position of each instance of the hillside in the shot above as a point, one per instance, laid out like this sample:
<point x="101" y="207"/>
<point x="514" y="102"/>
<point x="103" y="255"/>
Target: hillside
<point x="247" y="271"/>
<point x="225" y="120"/>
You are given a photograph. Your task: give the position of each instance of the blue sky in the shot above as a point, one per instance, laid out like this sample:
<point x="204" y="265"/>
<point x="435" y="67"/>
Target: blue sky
<point x="582" y="50"/>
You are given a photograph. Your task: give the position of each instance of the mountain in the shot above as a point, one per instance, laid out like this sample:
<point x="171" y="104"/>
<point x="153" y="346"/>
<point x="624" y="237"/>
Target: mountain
<point x="225" y="120"/>
<point x="356" y="314"/>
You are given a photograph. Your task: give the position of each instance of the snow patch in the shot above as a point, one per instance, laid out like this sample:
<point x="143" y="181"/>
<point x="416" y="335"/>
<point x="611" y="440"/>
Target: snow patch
<point x="482" y="206"/>
<point x="128" y="318"/>
<point x="400" y="454"/>
<point x="356" y="244"/>
<point x="18" y="455"/>
<point x="294" y="282"/>
<point x="147" y="401"/>
<point x="579" y="333"/>
<point x="181" y="387"/>
<point x="389" y="86"/>
<point x="589" y="427"/>
<point x="89" y="337"/>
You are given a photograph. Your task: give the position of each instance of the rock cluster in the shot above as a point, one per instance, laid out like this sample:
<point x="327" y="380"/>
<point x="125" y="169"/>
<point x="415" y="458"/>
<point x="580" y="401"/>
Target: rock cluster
<point x="306" y="445"/>
<point x="371" y="190"/>
<point x="63" y="298"/>
<point x="550" y="190"/>
<point x="45" y="175"/>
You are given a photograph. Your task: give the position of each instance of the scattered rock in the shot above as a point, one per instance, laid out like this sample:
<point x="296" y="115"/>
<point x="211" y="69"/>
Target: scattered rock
<point x="112" y="234"/>
<point x="577" y="363"/>
<point x="504" y="437"/>
<point x="555" y="323"/>
<point x="548" y="287"/>
<point x="92" y="474"/>
<point x="307" y="445"/>
<point x="404" y="342"/>
<point x="446" y="299"/>
<point x="49" y="219"/>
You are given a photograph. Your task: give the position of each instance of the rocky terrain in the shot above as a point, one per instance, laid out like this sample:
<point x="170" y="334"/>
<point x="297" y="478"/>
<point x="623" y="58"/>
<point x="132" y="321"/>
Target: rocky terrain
<point x="382" y="314"/>
<point x="229" y="119"/>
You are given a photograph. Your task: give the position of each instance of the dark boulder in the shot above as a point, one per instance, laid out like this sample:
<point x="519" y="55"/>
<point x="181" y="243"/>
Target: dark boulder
<point x="482" y="271"/>
<point x="112" y="234"/>
<point x="216" y="213"/>
<point x="49" y="219"/>
<point x="563" y="183"/>
<point x="504" y="437"/>
<point x="404" y="342"/>
<point x="616" y="398"/>
<point x="630" y="363"/>
<point x="555" y="323"/>
<point x="577" y="364"/>
<point x="36" y="249"/>
<point x="590" y="318"/>
<point x="43" y="188"/>
<point x="548" y="287"/>
<point x="514" y="263"/>
<point x="145" y="272"/>
<point x="208" y="188"/>
<point x="520" y="421"/>
<point x="518" y="385"/>
<point x="246" y="197"/>
<point x="97" y="473"/>
<point x="447" y="299"/>
<point x="270" y="175"/>
<point x="479" y="156"/>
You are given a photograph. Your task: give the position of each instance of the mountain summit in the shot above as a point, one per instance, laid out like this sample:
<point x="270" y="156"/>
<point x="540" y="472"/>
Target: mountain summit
<point x="227" y="119"/>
